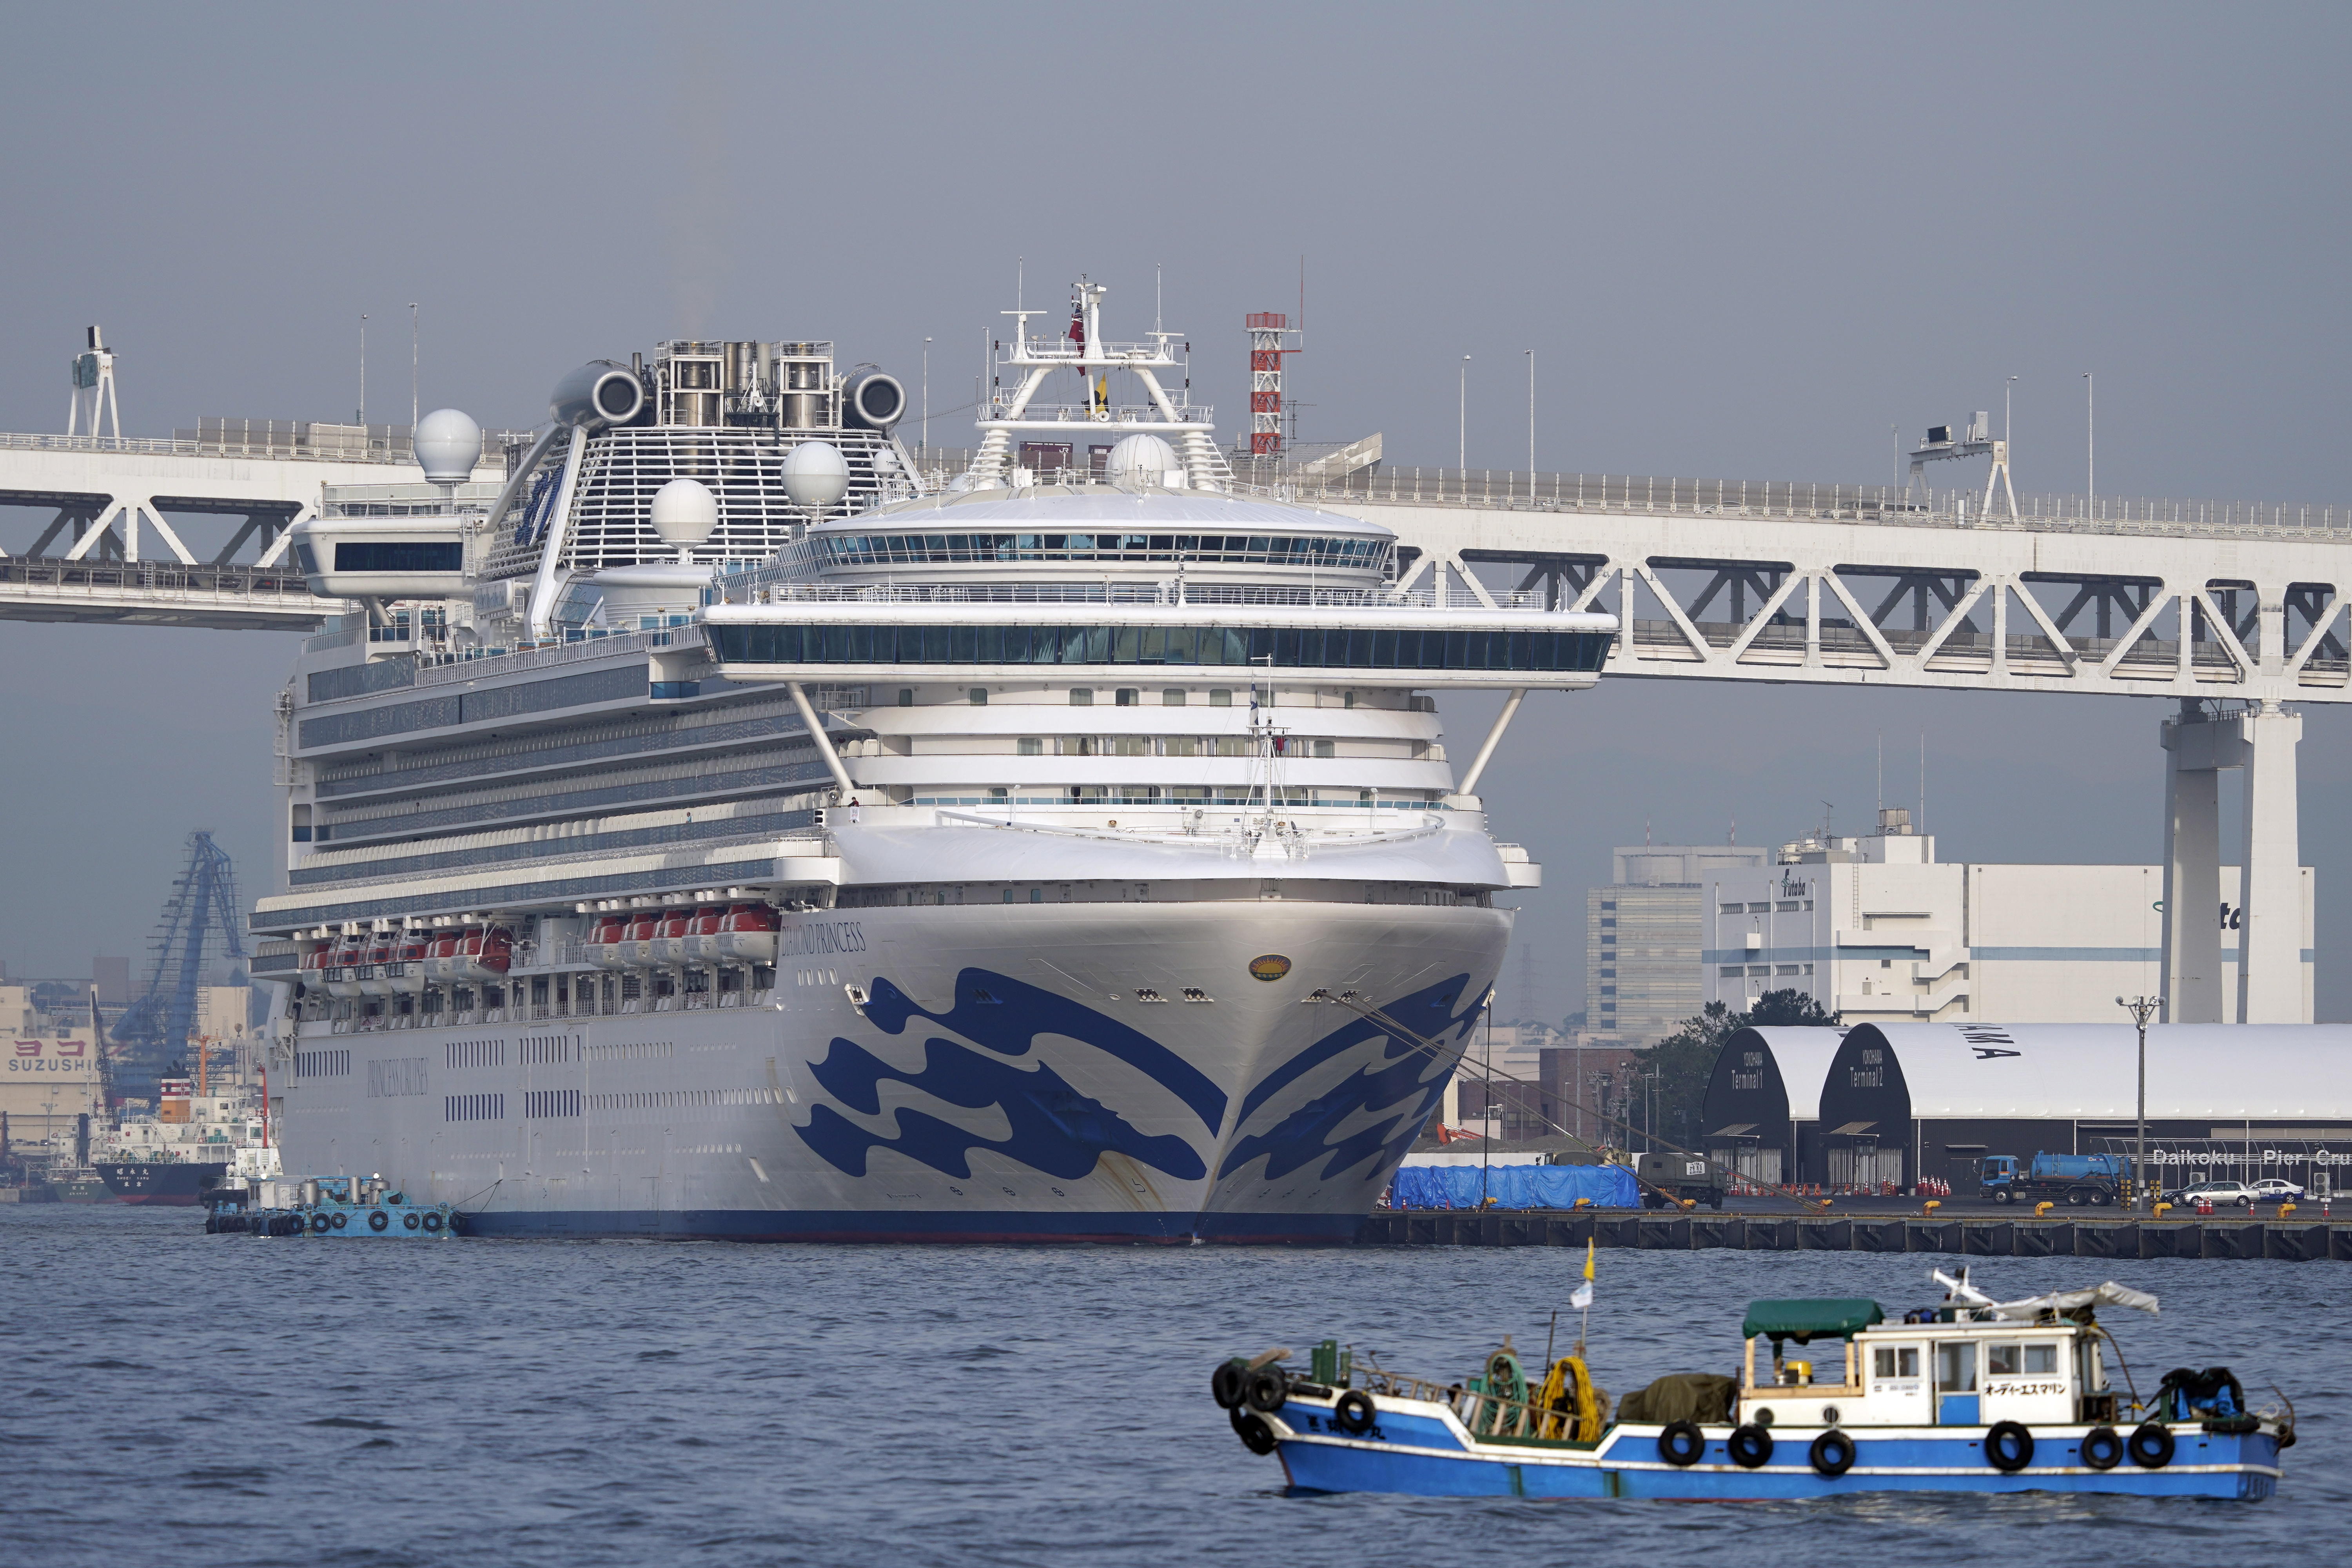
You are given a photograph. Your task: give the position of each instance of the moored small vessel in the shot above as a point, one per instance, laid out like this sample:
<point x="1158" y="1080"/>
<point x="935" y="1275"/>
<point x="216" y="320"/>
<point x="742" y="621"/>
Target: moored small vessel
<point x="330" y="1206"/>
<point x="1971" y="1395"/>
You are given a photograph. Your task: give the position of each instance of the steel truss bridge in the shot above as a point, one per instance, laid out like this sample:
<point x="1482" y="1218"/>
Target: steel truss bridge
<point x="2232" y="609"/>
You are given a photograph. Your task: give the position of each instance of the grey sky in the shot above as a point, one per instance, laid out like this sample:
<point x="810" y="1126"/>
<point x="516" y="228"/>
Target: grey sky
<point x="1742" y="241"/>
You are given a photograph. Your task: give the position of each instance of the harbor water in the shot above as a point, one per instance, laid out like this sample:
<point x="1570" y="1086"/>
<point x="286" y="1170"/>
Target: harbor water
<point x="169" y="1397"/>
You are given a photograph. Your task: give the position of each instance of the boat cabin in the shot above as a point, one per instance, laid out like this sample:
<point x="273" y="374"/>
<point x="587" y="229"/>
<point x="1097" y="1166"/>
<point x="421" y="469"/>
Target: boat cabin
<point x="1944" y="1366"/>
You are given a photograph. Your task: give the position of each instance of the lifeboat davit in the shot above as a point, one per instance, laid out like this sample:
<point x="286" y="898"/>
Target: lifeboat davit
<point x="668" y="945"/>
<point x="441" y="956"/>
<point x="748" y="935"/>
<point x="607" y="946"/>
<point x="375" y="967"/>
<point x="313" y="971"/>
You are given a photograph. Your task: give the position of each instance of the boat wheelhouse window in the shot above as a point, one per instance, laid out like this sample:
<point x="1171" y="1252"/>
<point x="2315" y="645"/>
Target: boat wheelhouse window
<point x="1956" y="1366"/>
<point x="2015" y="1360"/>
<point x="1314" y="647"/>
<point x="1894" y="1361"/>
<point x="1082" y="696"/>
<point x="386" y="555"/>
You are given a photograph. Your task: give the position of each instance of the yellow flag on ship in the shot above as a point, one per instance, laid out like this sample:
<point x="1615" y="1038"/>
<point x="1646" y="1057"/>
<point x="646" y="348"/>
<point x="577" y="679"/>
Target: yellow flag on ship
<point x="1588" y="1258"/>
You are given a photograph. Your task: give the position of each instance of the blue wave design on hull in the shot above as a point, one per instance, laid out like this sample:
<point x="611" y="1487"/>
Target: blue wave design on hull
<point x="1054" y="1128"/>
<point x="1308" y="1132"/>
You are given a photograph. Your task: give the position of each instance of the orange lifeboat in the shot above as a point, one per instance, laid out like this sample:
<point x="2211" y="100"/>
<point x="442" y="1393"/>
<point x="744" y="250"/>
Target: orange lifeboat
<point x="375" y="968"/>
<point x="606" y="945"/>
<point x="407" y="972"/>
<point x="342" y="966"/>
<point x="441" y="955"/>
<point x="669" y="944"/>
<point x="313" y="970"/>
<point x="748" y="935"/>
<point x="484" y="954"/>
<point x="637" y="938"/>
<point x="702" y="933"/>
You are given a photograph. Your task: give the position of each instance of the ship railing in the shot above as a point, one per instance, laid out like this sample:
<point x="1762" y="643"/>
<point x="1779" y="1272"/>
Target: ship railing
<point x="440" y="668"/>
<point x="1095" y="414"/>
<point x="163" y="577"/>
<point x="1485" y="1414"/>
<point x="1170" y="591"/>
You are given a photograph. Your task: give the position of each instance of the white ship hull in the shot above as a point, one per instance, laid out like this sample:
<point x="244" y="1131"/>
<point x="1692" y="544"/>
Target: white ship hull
<point x="1001" y="1081"/>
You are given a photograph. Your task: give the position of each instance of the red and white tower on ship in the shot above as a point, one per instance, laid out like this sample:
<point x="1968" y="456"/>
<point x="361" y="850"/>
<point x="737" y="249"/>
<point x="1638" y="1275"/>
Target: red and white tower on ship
<point x="1267" y="329"/>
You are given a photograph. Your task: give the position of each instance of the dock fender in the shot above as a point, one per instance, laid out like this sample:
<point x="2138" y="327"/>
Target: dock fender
<point x="2103" y="1450"/>
<point x="1355" y="1413"/>
<point x="1833" y="1453"/>
<point x="1682" y="1443"/>
<point x="2151" y="1446"/>
<point x="1751" y="1445"/>
<point x="2009" y="1447"/>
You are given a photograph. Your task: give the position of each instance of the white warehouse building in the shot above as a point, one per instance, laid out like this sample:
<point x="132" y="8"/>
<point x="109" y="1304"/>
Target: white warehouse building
<point x="1876" y="929"/>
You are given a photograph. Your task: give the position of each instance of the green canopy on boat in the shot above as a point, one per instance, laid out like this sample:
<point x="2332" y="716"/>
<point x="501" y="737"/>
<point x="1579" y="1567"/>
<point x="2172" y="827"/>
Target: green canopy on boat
<point x="1803" y="1320"/>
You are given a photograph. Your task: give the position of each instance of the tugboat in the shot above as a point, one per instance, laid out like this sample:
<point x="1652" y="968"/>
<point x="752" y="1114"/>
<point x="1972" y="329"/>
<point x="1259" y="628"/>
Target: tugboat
<point x="1971" y="1395"/>
<point x="328" y="1206"/>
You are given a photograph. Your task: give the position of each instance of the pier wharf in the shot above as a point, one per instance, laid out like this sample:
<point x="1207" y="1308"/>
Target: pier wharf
<point x="2282" y="1240"/>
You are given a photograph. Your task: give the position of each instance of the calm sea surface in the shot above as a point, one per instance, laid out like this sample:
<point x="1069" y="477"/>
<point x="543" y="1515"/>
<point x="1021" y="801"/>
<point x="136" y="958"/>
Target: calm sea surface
<point x="168" y="1397"/>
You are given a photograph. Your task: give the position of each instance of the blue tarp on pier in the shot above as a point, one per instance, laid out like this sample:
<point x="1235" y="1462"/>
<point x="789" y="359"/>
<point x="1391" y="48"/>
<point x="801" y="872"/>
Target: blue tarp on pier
<point x="1514" y="1186"/>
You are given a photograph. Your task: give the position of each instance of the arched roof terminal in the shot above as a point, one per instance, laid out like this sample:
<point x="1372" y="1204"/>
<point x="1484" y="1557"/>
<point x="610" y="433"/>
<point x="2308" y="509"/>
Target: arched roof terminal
<point x="1764" y="1097"/>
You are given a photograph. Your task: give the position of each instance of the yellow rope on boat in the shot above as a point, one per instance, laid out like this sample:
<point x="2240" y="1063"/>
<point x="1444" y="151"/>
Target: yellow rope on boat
<point x="1570" y="1403"/>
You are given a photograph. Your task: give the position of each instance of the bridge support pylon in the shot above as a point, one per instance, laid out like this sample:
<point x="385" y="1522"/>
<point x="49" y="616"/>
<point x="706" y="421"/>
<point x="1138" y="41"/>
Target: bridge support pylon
<point x="2268" y="918"/>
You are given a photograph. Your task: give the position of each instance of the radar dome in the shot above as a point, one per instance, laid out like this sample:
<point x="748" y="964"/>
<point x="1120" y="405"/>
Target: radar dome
<point x="685" y="513"/>
<point x="1140" y="459"/>
<point x="447" y="443"/>
<point x="816" y="474"/>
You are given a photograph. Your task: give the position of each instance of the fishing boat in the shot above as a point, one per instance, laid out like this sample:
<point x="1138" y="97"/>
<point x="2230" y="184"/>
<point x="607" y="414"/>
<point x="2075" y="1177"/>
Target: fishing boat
<point x="1971" y="1394"/>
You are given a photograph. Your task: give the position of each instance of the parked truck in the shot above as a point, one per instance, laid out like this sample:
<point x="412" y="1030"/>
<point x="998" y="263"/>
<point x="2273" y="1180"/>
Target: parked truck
<point x="1678" y="1178"/>
<point x="2076" y="1179"/>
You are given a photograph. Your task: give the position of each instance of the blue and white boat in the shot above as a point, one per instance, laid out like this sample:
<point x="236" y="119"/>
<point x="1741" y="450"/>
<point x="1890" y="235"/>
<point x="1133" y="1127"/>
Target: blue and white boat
<point x="1971" y="1395"/>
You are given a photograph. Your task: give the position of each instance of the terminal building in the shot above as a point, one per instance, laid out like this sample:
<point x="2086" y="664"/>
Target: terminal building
<point x="1873" y="1107"/>
<point x="1643" y="933"/>
<point x="1879" y="932"/>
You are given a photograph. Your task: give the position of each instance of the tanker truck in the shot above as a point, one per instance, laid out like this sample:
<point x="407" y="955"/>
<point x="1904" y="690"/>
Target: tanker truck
<point x="2076" y="1179"/>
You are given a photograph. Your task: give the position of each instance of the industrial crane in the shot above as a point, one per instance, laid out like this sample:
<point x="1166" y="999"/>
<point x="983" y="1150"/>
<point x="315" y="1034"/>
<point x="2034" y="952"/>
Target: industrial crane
<point x="153" y="1031"/>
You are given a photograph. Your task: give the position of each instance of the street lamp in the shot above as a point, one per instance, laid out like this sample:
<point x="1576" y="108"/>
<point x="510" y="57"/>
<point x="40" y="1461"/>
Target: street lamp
<point x="2141" y="1008"/>
<point x="926" y="396"/>
<point x="1531" y="421"/>
<point x="1462" y="444"/>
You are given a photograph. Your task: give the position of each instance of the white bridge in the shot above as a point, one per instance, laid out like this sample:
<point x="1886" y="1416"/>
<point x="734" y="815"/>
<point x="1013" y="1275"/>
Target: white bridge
<point x="2234" y="610"/>
<point x="102" y="543"/>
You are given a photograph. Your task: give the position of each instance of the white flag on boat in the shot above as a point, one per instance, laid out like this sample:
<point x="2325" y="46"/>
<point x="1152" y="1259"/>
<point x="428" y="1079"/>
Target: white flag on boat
<point x="1581" y="1297"/>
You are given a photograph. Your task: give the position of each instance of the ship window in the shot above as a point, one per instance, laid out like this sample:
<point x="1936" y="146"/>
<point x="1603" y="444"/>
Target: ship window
<point x="1082" y="696"/>
<point x="979" y="696"/>
<point x="1036" y="895"/>
<point x="906" y="697"/>
<point x="1008" y="895"/>
<point x="1895" y="1361"/>
<point x="1171" y="698"/>
<point x="1030" y="746"/>
<point x="1128" y="696"/>
<point x="1956" y="1366"/>
<point x="1350" y="701"/>
<point x="1180" y="746"/>
<point x="1221" y="697"/>
<point x="1323" y="749"/>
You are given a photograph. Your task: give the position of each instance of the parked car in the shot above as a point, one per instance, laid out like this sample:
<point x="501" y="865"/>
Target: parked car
<point x="2273" y="1190"/>
<point x="2220" y="1194"/>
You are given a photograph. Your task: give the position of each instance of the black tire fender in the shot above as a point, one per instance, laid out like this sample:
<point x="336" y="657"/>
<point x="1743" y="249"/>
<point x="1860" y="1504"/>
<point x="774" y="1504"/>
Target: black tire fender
<point x="2150" y="1446"/>
<point x="341" y="1220"/>
<point x="2008" y="1447"/>
<point x="1229" y="1383"/>
<point x="2102" y="1449"/>
<point x="1355" y="1413"/>
<point x="1751" y="1445"/>
<point x="1265" y="1390"/>
<point x="1256" y="1435"/>
<point x="1682" y="1443"/>
<point x="1832" y="1454"/>
<point x="379" y="1222"/>
<point x="321" y="1224"/>
<point x="433" y="1222"/>
<point x="409" y="1219"/>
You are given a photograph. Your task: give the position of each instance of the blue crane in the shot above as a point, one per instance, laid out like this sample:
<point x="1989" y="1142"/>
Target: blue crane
<point x="153" y="1031"/>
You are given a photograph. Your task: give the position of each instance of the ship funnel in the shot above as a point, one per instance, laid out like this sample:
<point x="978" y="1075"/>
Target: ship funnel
<point x="873" y="401"/>
<point x="598" y="394"/>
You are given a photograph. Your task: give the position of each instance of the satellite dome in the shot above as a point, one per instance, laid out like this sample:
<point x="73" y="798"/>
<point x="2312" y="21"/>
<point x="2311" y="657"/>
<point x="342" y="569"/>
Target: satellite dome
<point x="1140" y="459"/>
<point x="685" y="512"/>
<point x="447" y="443"/>
<point x="816" y="474"/>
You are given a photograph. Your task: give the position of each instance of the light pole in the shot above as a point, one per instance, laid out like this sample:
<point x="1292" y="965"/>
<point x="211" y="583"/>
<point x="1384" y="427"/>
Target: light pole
<point x="1531" y="421"/>
<point x="2141" y="1008"/>
<point x="1461" y="441"/>
<point x="363" y="377"/>
<point x="926" y="396"/>
<point x="2091" y="436"/>
<point x="2006" y="387"/>
<point x="412" y="367"/>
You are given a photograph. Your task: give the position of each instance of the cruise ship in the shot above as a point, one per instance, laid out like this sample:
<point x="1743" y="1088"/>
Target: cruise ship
<point x="720" y="829"/>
